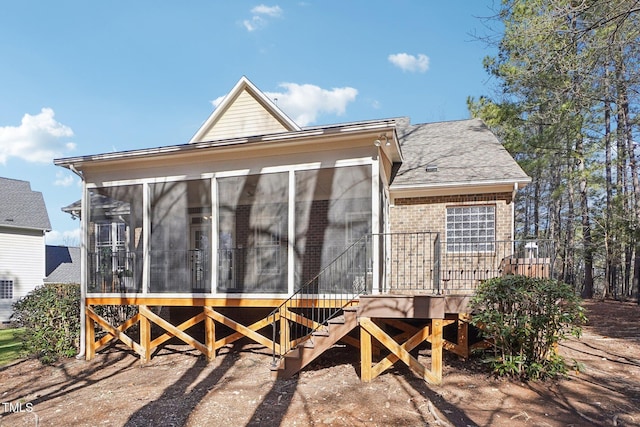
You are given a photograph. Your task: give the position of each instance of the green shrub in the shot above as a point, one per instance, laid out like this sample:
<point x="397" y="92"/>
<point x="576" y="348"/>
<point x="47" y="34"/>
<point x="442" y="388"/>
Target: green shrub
<point x="50" y="315"/>
<point x="525" y="318"/>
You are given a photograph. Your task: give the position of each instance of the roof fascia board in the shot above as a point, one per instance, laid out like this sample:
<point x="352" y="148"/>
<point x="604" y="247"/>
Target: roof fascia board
<point x="301" y="136"/>
<point x="19" y="227"/>
<point x="459" y="188"/>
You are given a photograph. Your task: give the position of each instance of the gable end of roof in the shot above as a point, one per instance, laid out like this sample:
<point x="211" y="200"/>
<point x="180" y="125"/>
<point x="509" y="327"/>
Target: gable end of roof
<point x="245" y="111"/>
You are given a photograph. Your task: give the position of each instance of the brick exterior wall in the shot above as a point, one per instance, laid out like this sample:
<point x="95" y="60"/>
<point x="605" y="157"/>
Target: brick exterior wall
<point x="429" y="213"/>
<point x="457" y="273"/>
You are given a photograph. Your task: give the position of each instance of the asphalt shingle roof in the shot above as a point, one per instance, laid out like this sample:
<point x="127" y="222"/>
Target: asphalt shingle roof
<point x="462" y="151"/>
<point x="62" y="264"/>
<point x="21" y="207"/>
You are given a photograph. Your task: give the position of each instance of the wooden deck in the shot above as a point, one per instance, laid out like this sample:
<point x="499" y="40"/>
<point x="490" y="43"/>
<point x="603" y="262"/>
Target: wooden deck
<point x="385" y="328"/>
<point x="418" y="319"/>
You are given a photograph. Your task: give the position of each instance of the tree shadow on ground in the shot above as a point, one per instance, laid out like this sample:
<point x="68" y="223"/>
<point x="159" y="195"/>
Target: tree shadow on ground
<point x="452" y="414"/>
<point x="71" y="382"/>
<point x="611" y="356"/>
<point x="272" y="409"/>
<point x="174" y="406"/>
<point x="613" y="319"/>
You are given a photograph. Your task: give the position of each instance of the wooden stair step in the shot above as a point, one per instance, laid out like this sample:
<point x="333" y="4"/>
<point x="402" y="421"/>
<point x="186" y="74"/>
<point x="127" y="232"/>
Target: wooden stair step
<point x="309" y="350"/>
<point x="337" y="320"/>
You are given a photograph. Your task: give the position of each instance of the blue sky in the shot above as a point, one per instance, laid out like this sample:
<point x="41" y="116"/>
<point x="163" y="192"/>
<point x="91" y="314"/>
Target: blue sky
<point x="87" y="77"/>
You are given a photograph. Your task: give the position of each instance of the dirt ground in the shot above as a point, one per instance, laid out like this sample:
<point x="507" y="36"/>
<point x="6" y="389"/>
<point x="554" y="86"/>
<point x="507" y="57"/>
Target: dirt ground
<point x="179" y="388"/>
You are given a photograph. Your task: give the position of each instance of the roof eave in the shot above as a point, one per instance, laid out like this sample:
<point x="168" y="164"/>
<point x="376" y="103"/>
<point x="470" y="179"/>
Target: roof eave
<point x="25" y="227"/>
<point x="279" y="138"/>
<point x="458" y="188"/>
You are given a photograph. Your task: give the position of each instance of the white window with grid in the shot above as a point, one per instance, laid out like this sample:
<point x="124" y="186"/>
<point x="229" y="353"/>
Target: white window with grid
<point x="471" y="229"/>
<point x="111" y="235"/>
<point x="6" y="289"/>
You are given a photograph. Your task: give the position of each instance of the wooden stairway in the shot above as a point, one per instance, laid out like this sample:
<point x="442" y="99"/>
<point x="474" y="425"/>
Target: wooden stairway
<point x="319" y="342"/>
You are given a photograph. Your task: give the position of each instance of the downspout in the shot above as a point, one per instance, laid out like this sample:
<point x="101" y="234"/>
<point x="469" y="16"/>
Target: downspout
<point x="83" y="292"/>
<point x="513" y="211"/>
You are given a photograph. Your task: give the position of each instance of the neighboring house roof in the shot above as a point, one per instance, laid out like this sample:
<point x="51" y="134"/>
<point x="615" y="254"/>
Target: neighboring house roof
<point x="20" y="207"/>
<point x="452" y="154"/>
<point x="111" y="206"/>
<point x="62" y="264"/>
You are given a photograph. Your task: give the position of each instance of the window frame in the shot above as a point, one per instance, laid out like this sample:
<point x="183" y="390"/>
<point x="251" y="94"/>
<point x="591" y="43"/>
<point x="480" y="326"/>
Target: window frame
<point x="354" y="221"/>
<point x="7" y="288"/>
<point x="462" y="244"/>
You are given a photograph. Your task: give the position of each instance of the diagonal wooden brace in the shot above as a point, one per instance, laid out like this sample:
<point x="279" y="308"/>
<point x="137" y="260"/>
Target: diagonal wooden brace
<point x="401" y="353"/>
<point x="183" y="327"/>
<point x="238" y="327"/>
<point x="115" y="332"/>
<point x="188" y="339"/>
<point x="123" y="327"/>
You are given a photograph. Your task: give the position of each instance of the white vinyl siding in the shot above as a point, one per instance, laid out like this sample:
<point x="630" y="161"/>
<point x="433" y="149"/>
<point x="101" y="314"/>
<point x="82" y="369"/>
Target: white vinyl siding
<point x="22" y="260"/>
<point x="245" y="117"/>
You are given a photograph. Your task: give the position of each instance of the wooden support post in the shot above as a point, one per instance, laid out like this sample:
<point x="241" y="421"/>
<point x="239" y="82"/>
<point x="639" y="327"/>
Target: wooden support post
<point x="145" y="336"/>
<point x="463" y="337"/>
<point x="90" y="336"/>
<point x="436" y="349"/>
<point x="365" y="355"/>
<point x="210" y="336"/>
<point x="285" y="331"/>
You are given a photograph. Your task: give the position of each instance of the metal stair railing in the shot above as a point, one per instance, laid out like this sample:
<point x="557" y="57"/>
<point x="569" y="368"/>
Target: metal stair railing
<point x="323" y="297"/>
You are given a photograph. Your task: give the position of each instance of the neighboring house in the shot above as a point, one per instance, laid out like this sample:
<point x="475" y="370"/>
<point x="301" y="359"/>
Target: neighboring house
<point x="257" y="213"/>
<point x="23" y="224"/>
<point x="62" y="264"/>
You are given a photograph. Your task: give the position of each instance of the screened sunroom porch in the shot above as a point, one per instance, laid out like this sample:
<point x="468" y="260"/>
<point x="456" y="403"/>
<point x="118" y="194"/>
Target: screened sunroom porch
<point x="230" y="233"/>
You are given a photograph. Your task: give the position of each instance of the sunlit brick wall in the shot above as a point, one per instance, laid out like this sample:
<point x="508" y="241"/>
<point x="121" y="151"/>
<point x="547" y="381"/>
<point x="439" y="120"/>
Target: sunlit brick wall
<point x="457" y="273"/>
<point x="429" y="213"/>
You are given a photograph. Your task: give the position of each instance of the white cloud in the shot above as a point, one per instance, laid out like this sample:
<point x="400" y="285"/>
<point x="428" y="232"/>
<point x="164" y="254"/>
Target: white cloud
<point x="64" y="238"/>
<point x="253" y="24"/>
<point x="303" y="103"/>
<point x="38" y="139"/>
<point x="260" y="12"/>
<point x="273" y="11"/>
<point x="217" y="101"/>
<point x="407" y="62"/>
<point x="63" y="179"/>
